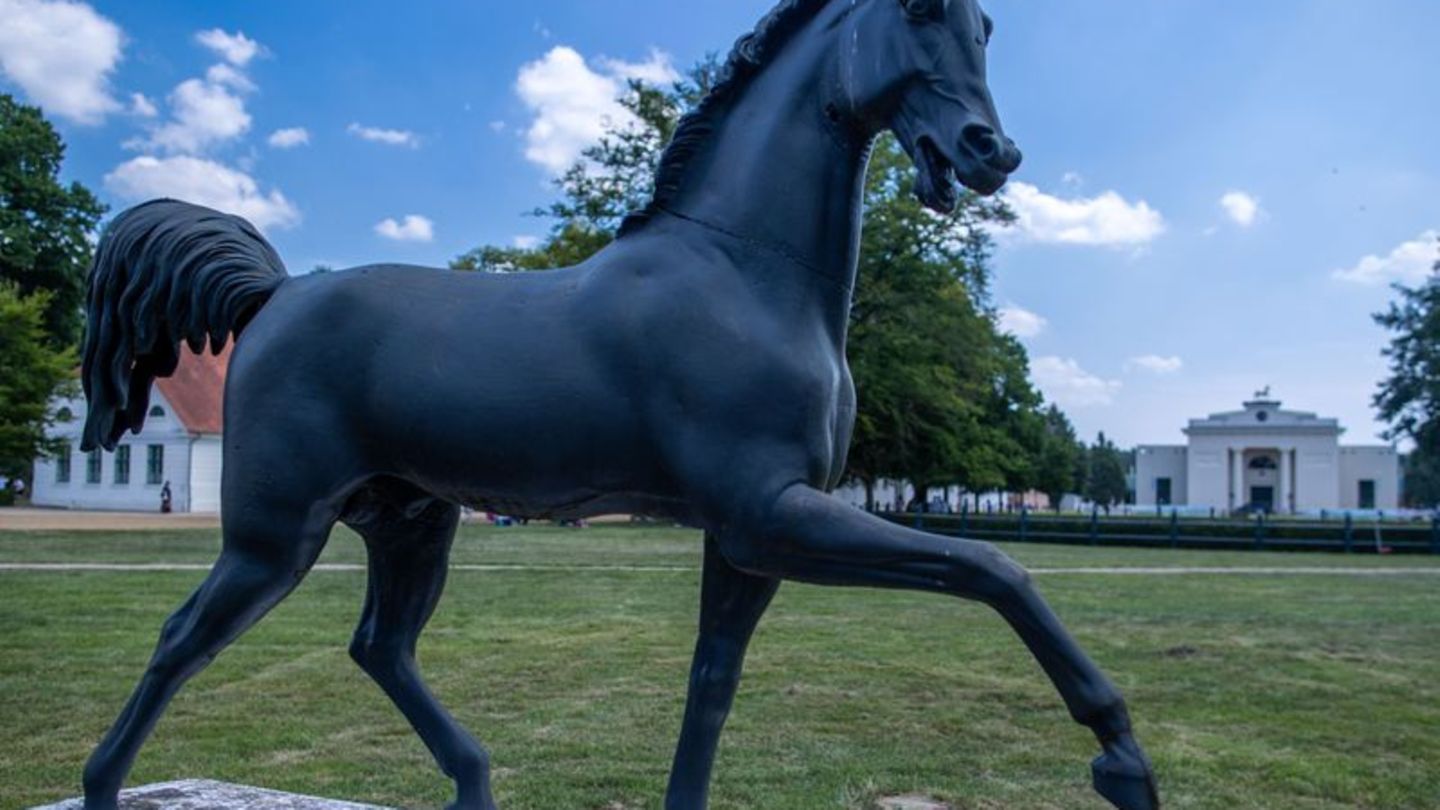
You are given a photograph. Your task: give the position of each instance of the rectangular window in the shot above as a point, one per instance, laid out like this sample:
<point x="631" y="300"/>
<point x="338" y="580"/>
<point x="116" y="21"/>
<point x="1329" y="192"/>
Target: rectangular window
<point x="1162" y="491"/>
<point x="154" y="463"/>
<point x="92" y="467"/>
<point x="1367" y="494"/>
<point x="122" y="464"/>
<point x="62" y="466"/>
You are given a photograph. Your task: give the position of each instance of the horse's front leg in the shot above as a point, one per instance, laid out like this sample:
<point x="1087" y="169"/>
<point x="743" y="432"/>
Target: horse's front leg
<point x="731" y="603"/>
<point x="809" y="536"/>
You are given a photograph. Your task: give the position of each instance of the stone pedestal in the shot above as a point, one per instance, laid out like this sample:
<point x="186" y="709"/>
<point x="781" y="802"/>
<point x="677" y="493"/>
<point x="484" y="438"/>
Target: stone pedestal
<point x="202" y="794"/>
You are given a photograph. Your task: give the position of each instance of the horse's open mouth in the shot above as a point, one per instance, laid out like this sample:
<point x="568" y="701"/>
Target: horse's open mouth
<point x="935" y="184"/>
<point x="939" y="179"/>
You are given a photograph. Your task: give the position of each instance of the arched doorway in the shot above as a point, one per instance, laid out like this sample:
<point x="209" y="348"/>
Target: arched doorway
<point x="1262" y="479"/>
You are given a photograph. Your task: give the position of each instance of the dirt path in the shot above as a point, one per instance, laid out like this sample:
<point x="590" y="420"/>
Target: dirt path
<point x="30" y="519"/>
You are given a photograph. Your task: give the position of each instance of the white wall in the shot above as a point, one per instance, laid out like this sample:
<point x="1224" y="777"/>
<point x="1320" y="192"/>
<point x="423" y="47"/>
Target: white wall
<point x="1317" y="473"/>
<point x="205" y="467"/>
<point x="1207" y="481"/>
<point x="1378" y="464"/>
<point x="1153" y="462"/>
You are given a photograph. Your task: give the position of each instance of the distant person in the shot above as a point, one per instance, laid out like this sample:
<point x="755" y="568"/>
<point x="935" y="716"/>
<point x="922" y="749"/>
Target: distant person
<point x="166" y="499"/>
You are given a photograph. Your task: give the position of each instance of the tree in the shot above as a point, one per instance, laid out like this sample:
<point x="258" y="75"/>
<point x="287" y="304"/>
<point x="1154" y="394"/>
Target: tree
<point x="1409" y="399"/>
<point x="31" y="373"/>
<point x="1060" y="454"/>
<point x="935" y="381"/>
<point x="45" y="226"/>
<point x="1105" y="480"/>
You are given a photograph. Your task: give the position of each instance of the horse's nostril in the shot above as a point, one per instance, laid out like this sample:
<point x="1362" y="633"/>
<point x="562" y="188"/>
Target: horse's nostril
<point x="981" y="141"/>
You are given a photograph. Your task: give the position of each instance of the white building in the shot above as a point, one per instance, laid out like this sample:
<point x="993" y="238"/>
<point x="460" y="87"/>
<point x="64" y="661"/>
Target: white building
<point x="180" y="444"/>
<point x="1264" y="456"/>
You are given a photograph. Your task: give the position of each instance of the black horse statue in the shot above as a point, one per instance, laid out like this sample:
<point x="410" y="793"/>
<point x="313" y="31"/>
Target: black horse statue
<point x="695" y="370"/>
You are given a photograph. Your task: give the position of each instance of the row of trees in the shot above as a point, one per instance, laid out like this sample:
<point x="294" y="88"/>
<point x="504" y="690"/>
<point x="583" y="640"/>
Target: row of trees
<point x="944" y="396"/>
<point x="45" y="252"/>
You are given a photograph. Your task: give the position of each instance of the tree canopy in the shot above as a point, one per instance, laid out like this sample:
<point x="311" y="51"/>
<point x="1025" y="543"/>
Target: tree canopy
<point x="944" y="397"/>
<point x="45" y="226"/>
<point x="1409" y="398"/>
<point x="31" y="371"/>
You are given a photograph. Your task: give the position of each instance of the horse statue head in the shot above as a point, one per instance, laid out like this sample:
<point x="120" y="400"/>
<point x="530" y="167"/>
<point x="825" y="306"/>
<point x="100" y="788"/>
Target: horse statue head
<point x="917" y="67"/>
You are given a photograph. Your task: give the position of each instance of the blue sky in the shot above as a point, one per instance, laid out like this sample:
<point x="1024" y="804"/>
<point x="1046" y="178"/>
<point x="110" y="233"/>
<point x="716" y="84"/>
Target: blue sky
<point x="1215" y="195"/>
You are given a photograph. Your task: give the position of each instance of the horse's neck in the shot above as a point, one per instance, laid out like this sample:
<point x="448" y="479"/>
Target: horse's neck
<point x="778" y="175"/>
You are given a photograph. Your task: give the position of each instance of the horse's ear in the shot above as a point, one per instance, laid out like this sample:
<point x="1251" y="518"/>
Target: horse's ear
<point x="925" y="9"/>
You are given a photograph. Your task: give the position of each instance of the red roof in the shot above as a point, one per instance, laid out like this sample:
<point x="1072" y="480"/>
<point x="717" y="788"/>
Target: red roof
<point x="196" y="392"/>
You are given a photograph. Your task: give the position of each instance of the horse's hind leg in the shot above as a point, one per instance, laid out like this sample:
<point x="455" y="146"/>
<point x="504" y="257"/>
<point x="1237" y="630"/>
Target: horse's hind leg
<point x="408" y="535"/>
<point x="267" y="549"/>
<point x="812" y="537"/>
<point x="731" y="604"/>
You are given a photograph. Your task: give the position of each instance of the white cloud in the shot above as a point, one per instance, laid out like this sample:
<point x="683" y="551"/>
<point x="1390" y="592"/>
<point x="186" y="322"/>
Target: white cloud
<point x="389" y="137"/>
<point x="1242" y="208"/>
<point x="141" y="105"/>
<point x="203" y="182"/>
<point x="1155" y="364"/>
<point x="289" y="138"/>
<point x="236" y="48"/>
<point x="413" y="228"/>
<point x="230" y="77"/>
<point x="61" y="54"/>
<point x="203" y="113"/>
<point x="1410" y="263"/>
<point x="656" y="70"/>
<point x="526" y="242"/>
<point x="1067" y="384"/>
<point x="1108" y="219"/>
<point x="574" y="104"/>
<point x="1021" y="322"/>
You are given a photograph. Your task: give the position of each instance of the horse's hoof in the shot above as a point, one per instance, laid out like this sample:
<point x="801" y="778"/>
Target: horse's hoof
<point x="1124" y="777"/>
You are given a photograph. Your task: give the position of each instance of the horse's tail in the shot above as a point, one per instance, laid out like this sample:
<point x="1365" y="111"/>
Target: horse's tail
<point x="165" y="271"/>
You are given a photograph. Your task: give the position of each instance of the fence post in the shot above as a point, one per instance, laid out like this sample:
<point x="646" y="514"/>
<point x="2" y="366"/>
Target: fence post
<point x="1094" y="524"/>
<point x="1024" y="522"/>
<point x="1349" y="534"/>
<point x="1174" y="528"/>
<point x="1260" y="530"/>
<point x="964" y="518"/>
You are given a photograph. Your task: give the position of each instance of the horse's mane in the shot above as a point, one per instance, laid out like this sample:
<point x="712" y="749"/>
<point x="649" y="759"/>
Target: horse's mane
<point x="752" y="52"/>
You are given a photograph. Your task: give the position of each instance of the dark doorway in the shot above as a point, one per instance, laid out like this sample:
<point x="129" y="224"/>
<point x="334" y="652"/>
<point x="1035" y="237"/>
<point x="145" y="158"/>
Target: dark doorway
<point x="1162" y="491"/>
<point x="1367" y="494"/>
<point x="1263" y="498"/>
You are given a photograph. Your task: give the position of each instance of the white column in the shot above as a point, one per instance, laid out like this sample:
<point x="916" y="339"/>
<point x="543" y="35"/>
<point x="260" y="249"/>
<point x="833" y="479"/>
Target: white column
<point x="1237" y="478"/>
<point x="1282" y="503"/>
<point x="1291" y="459"/>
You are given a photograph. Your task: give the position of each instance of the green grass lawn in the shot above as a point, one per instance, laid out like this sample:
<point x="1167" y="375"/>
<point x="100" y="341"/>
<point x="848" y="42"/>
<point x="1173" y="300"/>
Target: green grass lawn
<point x="1290" y="692"/>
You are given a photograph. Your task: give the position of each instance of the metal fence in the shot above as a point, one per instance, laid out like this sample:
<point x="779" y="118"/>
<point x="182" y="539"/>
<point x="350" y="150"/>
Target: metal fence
<point x="1344" y="533"/>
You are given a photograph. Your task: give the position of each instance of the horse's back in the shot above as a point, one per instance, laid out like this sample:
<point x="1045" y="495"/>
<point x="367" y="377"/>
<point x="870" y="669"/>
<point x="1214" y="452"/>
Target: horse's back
<point x="484" y="387"/>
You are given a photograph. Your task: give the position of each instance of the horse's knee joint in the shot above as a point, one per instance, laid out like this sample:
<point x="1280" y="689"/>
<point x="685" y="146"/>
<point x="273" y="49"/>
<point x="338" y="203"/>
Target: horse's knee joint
<point x="1007" y="578"/>
<point x="747" y="552"/>
<point x="372" y="656"/>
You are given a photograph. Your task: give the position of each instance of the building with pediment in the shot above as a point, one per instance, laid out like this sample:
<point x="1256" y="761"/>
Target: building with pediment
<point x="1266" y="457"/>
